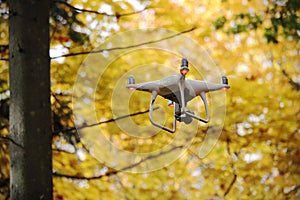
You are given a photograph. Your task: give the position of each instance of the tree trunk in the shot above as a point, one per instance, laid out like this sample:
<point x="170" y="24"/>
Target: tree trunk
<point x="30" y="115"/>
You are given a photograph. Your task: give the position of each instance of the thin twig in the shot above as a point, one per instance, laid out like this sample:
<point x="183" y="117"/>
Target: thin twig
<point x="104" y="122"/>
<point x="124" y="47"/>
<point x="118" y="15"/>
<point x="56" y="174"/>
<point x="62" y="151"/>
<point x="230" y="185"/>
<point x="232" y="166"/>
<point x="294" y="84"/>
<point x="4" y="59"/>
<point x="11" y="140"/>
<point x="117" y="171"/>
<point x="4" y="13"/>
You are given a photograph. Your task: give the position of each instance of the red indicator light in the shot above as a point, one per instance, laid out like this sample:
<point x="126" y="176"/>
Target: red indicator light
<point x="131" y="88"/>
<point x="184" y="71"/>
<point x="171" y="104"/>
<point x="225" y="88"/>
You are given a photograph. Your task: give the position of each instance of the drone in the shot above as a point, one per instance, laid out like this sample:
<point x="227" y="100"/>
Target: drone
<point x="178" y="90"/>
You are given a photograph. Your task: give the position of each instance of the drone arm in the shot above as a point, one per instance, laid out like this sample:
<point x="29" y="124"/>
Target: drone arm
<point x="203" y="97"/>
<point x="181" y="89"/>
<point x="154" y="95"/>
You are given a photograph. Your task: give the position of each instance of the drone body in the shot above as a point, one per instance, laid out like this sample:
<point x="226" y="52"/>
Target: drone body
<point x="179" y="91"/>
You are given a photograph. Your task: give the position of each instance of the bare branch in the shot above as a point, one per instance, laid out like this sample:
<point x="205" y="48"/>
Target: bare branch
<point x="151" y="157"/>
<point x="125" y="47"/>
<point x="116" y="119"/>
<point x="104" y="122"/>
<point x="11" y="140"/>
<point x="230" y="185"/>
<point x="4" y="59"/>
<point x="118" y="15"/>
<point x="4" y="13"/>
<point x="62" y="151"/>
<point x="113" y="172"/>
<point x="294" y="84"/>
<point x="85" y="178"/>
<point x="232" y="166"/>
<point x="3" y="48"/>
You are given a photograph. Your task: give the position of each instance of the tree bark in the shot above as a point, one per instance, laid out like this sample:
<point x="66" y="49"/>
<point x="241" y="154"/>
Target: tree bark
<point x="30" y="114"/>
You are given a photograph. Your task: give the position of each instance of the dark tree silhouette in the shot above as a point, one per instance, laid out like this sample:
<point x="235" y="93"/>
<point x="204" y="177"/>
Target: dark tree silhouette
<point x="30" y="115"/>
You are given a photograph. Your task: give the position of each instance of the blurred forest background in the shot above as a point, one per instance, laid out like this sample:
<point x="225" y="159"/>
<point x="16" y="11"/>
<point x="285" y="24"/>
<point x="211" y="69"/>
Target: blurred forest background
<point x="255" y="42"/>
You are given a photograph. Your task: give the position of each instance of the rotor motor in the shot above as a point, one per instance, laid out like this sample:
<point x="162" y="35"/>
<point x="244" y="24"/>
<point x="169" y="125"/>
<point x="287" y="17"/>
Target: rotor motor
<point x="224" y="80"/>
<point x="131" y="80"/>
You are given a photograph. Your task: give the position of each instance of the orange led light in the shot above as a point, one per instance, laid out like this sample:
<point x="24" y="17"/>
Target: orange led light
<point x="184" y="71"/>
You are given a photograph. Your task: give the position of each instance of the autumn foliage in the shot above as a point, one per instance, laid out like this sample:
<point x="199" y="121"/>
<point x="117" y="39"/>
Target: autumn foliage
<point x="255" y="43"/>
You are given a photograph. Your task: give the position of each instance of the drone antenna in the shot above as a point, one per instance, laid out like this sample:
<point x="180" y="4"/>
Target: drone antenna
<point x="184" y="67"/>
